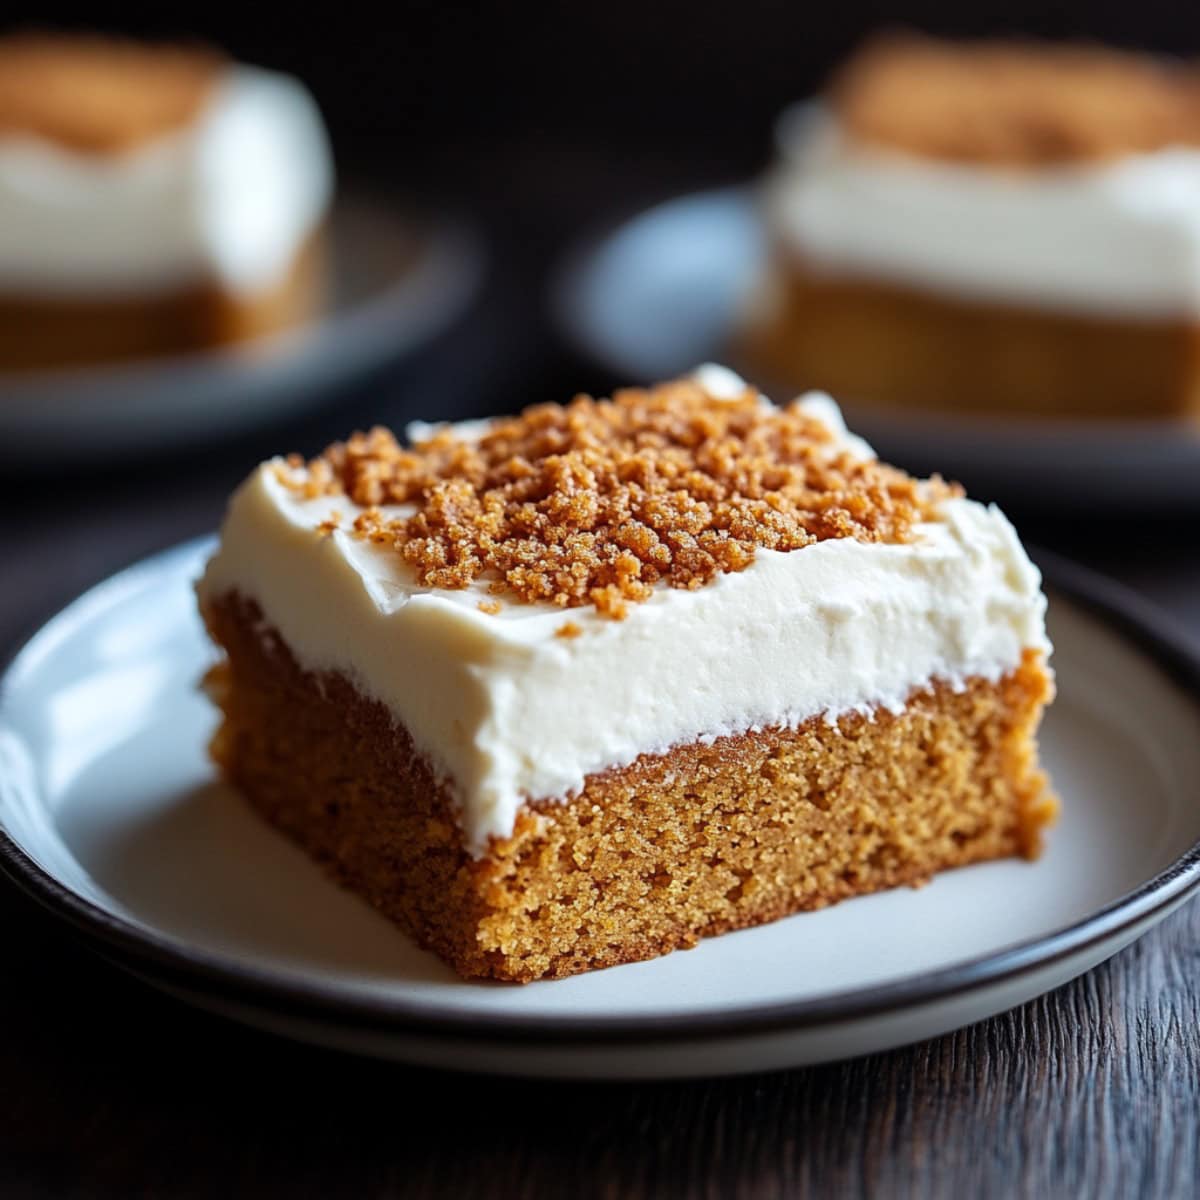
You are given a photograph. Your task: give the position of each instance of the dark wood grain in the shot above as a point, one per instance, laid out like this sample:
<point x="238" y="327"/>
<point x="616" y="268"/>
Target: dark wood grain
<point x="112" y="1090"/>
<point x="108" y="1089"/>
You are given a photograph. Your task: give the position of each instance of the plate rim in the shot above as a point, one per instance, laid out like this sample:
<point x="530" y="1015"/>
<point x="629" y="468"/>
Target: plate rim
<point x="153" y="954"/>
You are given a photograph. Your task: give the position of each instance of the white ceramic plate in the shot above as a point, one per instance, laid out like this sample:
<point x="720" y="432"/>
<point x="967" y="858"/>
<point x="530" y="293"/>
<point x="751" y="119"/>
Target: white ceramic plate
<point x="397" y="280"/>
<point x="662" y="292"/>
<point x="112" y="817"/>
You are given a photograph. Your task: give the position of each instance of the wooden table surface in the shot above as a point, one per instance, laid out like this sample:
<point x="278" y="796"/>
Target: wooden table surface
<point x="109" y="1089"/>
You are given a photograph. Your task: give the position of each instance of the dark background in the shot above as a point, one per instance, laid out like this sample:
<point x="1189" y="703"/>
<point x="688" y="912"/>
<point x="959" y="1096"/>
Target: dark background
<point x="548" y="120"/>
<point x="683" y="77"/>
<point x="545" y="122"/>
<point x="440" y="83"/>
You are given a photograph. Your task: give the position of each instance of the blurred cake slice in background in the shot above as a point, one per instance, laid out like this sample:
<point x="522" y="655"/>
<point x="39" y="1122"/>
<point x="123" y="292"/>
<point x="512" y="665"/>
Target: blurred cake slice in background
<point x="153" y="200"/>
<point x="989" y="227"/>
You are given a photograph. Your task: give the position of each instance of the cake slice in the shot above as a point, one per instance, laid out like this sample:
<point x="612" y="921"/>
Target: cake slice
<point x="988" y="227"/>
<point x="154" y="200"/>
<point x="585" y="685"/>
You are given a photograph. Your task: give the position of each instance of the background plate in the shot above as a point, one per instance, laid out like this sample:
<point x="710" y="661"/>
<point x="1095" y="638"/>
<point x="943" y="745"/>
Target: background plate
<point x="398" y="279"/>
<point x="111" y="816"/>
<point x="662" y="292"/>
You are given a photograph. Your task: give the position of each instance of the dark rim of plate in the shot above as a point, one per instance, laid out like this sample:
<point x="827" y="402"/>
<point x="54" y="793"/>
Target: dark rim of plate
<point x="210" y="976"/>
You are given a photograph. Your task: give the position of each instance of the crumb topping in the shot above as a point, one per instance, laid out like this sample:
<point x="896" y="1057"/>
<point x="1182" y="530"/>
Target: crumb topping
<point x="1019" y="104"/>
<point x="596" y="501"/>
<point x="100" y="95"/>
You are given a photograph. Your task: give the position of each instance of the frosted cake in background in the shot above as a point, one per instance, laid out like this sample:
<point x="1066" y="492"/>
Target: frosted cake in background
<point x="153" y="200"/>
<point x="998" y="227"/>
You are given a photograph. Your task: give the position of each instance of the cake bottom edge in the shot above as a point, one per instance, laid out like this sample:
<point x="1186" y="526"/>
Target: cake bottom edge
<point x="60" y="329"/>
<point x="648" y="858"/>
<point x="1008" y="358"/>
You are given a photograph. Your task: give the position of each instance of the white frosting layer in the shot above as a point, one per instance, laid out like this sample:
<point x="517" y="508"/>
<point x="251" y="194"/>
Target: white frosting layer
<point x="507" y="711"/>
<point x="1119" y="238"/>
<point x="231" y="197"/>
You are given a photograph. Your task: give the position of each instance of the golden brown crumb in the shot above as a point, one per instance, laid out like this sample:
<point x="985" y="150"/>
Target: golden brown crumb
<point x="1016" y="103"/>
<point x="568" y="629"/>
<point x="596" y="501"/>
<point x="331" y="523"/>
<point x="491" y="607"/>
<point x="100" y="95"/>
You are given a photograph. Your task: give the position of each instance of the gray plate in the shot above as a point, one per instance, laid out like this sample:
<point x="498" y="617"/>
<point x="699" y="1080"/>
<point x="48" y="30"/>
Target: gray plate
<point x="111" y="816"/>
<point x="662" y="292"/>
<point x="398" y="280"/>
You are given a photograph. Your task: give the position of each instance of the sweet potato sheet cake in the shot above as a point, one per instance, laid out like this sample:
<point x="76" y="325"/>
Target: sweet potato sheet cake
<point x="584" y="685"/>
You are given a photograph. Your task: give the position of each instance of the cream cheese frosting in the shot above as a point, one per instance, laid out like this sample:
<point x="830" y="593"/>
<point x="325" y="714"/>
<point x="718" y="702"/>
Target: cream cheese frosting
<point x="229" y="198"/>
<point x="508" y="711"/>
<point x="1119" y="238"/>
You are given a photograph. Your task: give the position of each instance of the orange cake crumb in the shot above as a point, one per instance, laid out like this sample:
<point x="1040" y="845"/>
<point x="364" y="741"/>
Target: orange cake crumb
<point x="100" y="95"/>
<point x="596" y="501"/>
<point x="1015" y="103"/>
